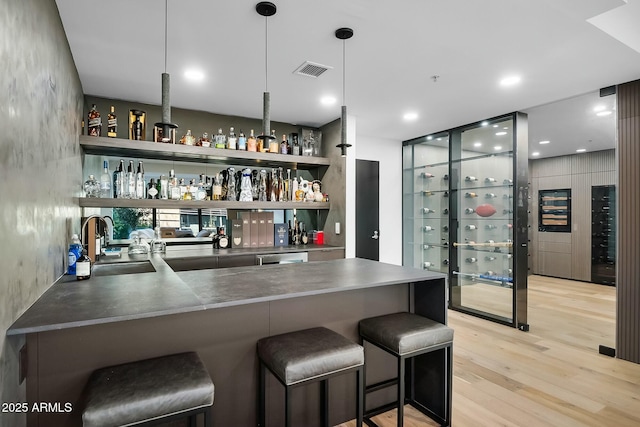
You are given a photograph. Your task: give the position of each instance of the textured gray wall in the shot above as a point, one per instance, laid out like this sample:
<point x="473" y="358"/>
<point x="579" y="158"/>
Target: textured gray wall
<point x="40" y="167"/>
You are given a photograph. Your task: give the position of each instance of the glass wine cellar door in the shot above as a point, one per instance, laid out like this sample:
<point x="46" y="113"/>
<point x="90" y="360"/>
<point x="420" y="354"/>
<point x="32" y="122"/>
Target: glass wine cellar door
<point x="465" y="214"/>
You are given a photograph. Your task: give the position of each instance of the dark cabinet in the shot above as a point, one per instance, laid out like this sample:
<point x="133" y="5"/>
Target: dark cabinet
<point x="603" y="235"/>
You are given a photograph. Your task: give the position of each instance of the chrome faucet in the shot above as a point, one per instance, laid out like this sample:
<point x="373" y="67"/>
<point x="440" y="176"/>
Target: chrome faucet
<point x="100" y="218"/>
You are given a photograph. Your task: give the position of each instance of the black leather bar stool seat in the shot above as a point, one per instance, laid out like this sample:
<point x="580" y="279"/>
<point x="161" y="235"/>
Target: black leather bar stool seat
<point x="306" y="356"/>
<point x="405" y="336"/>
<point x="149" y="392"/>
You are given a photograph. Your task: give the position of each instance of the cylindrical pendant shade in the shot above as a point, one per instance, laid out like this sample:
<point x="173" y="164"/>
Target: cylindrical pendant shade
<point x="266" y="115"/>
<point x="166" y="99"/>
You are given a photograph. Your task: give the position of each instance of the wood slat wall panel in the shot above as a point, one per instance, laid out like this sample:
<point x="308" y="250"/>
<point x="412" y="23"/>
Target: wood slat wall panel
<point x="628" y="265"/>
<point x="604" y="178"/>
<point x="581" y="225"/>
<point x="552" y="167"/>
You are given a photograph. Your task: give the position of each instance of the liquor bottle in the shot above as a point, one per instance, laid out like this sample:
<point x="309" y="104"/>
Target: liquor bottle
<point x="232" y="141"/>
<point x="174" y="188"/>
<point x="220" y="139"/>
<point x="242" y="141"/>
<point x="470" y="195"/>
<point x="152" y="190"/>
<point x="131" y="181"/>
<point x="469" y="210"/>
<point x="140" y="184"/>
<point x="296" y="232"/>
<point x="75" y="252"/>
<point x="231" y="185"/>
<point x="313" y="147"/>
<point x="252" y="143"/>
<point x="426" y="175"/>
<point x="281" y="193"/>
<point x="295" y="147"/>
<point x="290" y="233"/>
<point x="427" y="228"/>
<point x="216" y="190"/>
<point x="185" y="194"/>
<point x="287" y="186"/>
<point x="118" y="181"/>
<point x="105" y="181"/>
<point x="136" y="129"/>
<point x="304" y="238"/>
<point x="427" y="210"/>
<point x="94" y="122"/>
<point x="164" y="187"/>
<point x="273" y="186"/>
<point x="91" y="187"/>
<point x="470" y="178"/>
<point x="223" y="240"/>
<point x="158" y="245"/>
<point x="471" y="260"/>
<point x="193" y="189"/>
<point x="188" y="138"/>
<point x="274" y="146"/>
<point x="490" y="196"/>
<point x="83" y="266"/>
<point x="470" y="227"/>
<point x="262" y="186"/>
<point x="489" y="180"/>
<point x="112" y="123"/>
<point x="284" y="145"/>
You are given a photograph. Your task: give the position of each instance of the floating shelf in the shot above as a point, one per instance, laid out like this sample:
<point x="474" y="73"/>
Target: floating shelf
<point x="95" y="202"/>
<point x="188" y="153"/>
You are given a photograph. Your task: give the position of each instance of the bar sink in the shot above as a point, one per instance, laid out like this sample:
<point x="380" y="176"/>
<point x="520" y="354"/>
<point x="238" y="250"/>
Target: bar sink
<point x="115" y="268"/>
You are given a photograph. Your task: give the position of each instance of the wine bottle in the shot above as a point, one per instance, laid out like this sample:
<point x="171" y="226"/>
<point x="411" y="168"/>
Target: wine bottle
<point x="427" y="210"/>
<point x="469" y="210"/>
<point x="445" y="262"/>
<point x="427" y="264"/>
<point x="470" y="195"/>
<point x="490" y="258"/>
<point x="470" y="227"/>
<point x="426" y="175"/>
<point x="470" y="178"/>
<point x="304" y="238"/>
<point x="427" y="193"/>
<point x="427" y="228"/>
<point x="445" y="211"/>
<point x="490" y="196"/>
<point x="425" y="247"/>
<point x="490" y="180"/>
<point x="471" y="260"/>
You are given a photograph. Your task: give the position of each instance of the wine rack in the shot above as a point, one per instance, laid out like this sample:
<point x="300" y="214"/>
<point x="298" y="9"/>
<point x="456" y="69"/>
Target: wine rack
<point x="603" y="235"/>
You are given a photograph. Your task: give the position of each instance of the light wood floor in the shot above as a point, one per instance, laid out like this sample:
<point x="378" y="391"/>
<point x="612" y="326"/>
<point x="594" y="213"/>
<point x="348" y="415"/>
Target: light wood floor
<point x="550" y="376"/>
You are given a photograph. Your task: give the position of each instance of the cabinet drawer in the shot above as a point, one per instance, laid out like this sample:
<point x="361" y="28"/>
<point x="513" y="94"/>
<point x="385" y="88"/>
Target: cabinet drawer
<point x="326" y="254"/>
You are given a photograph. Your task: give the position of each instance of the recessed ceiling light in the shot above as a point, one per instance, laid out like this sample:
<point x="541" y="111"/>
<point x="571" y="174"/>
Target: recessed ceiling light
<point x="410" y="116"/>
<point x="439" y="139"/>
<point x="599" y="108"/>
<point x="485" y="123"/>
<point x="477" y="144"/>
<point x="429" y="138"/>
<point x="603" y="113"/>
<point x="544" y="142"/>
<point x="497" y="147"/>
<point x="581" y="150"/>
<point x="194" y="75"/>
<point x="500" y="133"/>
<point x="328" y="100"/>
<point x="495" y="126"/>
<point x="510" y="81"/>
<point x="535" y="153"/>
<point x="506" y="127"/>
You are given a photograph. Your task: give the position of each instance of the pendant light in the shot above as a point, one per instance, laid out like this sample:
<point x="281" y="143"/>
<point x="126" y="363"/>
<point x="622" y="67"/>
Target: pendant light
<point x="166" y="124"/>
<point x="266" y="9"/>
<point x="344" y="34"/>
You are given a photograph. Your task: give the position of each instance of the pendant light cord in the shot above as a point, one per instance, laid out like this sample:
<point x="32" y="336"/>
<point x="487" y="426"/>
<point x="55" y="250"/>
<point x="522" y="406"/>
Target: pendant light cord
<point x="266" y="54"/>
<point x="166" y="25"/>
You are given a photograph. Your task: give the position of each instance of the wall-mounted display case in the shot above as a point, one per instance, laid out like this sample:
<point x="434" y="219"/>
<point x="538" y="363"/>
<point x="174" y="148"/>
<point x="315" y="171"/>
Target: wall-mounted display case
<point x="465" y="214"/>
<point x="554" y="210"/>
<point x="603" y="234"/>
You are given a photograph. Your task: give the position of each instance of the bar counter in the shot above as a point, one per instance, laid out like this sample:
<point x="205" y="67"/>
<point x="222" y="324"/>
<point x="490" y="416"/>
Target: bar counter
<point x="79" y="326"/>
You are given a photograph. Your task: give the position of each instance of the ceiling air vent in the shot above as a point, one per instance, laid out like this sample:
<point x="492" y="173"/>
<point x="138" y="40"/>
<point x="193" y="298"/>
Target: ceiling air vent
<point x="311" y="69"/>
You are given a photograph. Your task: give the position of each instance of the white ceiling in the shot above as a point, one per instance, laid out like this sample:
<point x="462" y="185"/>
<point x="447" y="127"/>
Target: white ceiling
<point x="118" y="48"/>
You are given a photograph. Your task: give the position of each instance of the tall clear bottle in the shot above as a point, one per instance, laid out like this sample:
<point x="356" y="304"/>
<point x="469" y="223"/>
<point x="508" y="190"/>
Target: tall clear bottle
<point x="232" y="141"/>
<point x="118" y="181"/>
<point x="105" y="181"/>
<point x="164" y="187"/>
<point x="140" y="184"/>
<point x="231" y="187"/>
<point x="131" y="181"/>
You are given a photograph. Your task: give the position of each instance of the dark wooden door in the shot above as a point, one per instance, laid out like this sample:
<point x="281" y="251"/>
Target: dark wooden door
<point x="367" y="209"/>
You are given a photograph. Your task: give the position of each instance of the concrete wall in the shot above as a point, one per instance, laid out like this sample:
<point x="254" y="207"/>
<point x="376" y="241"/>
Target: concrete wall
<point x="40" y="168"/>
<point x="568" y="255"/>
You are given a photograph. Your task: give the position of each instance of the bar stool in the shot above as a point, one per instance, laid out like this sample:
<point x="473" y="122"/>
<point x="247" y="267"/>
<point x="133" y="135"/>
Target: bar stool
<point x="149" y="392"/>
<point x="405" y="336"/>
<point x="310" y="355"/>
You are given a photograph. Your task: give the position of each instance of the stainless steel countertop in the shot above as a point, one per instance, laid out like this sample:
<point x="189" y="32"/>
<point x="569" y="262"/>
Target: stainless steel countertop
<point x="69" y="303"/>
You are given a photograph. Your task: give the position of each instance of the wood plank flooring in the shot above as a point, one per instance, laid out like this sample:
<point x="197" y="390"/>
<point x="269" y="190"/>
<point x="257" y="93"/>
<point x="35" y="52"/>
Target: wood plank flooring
<point x="552" y="375"/>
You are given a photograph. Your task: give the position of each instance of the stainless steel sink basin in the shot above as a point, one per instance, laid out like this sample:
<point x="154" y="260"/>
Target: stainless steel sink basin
<point x="132" y="267"/>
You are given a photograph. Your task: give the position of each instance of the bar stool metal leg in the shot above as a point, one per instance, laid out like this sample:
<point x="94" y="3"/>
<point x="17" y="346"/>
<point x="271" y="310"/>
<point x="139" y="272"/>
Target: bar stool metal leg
<point x="324" y="403"/>
<point x="360" y="393"/>
<point x="262" y="395"/>
<point x="401" y="362"/>
<point x="287" y="407"/>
